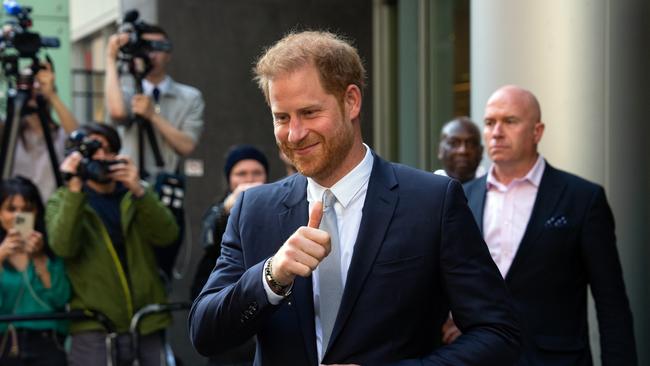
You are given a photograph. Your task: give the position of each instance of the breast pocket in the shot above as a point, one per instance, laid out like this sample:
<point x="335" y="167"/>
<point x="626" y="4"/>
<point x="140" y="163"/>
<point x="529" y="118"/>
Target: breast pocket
<point x="398" y="266"/>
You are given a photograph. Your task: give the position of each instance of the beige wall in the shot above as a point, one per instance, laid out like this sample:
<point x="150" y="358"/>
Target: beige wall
<point x="87" y="17"/>
<point x="90" y="16"/>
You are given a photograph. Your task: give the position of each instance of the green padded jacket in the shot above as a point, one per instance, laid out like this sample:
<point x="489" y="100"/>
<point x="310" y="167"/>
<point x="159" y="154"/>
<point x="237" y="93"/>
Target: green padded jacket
<point x="99" y="282"/>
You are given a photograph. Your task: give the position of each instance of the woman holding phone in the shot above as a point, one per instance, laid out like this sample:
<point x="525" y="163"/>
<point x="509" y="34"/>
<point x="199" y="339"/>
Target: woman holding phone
<point x="32" y="279"/>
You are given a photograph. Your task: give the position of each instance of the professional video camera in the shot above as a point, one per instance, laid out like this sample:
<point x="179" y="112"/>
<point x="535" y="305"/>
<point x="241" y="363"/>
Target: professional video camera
<point x="15" y="33"/>
<point x="137" y="47"/>
<point x="89" y="168"/>
<point x="16" y="43"/>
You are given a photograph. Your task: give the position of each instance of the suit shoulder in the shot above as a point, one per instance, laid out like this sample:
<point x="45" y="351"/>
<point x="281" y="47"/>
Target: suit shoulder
<point x="187" y="91"/>
<point x="475" y="187"/>
<point x="272" y="193"/>
<point x="407" y="175"/>
<point x="474" y="183"/>
<point x="574" y="181"/>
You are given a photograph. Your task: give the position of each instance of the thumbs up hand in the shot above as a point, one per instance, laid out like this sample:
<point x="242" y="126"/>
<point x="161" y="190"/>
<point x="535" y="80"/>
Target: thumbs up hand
<point x="303" y="251"/>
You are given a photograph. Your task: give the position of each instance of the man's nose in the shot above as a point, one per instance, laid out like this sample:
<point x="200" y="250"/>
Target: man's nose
<point x="462" y="147"/>
<point x="497" y="130"/>
<point x="297" y="130"/>
<point x="100" y="154"/>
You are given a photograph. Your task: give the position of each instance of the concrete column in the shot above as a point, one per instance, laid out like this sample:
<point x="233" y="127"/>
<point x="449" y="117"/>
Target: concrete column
<point x="586" y="61"/>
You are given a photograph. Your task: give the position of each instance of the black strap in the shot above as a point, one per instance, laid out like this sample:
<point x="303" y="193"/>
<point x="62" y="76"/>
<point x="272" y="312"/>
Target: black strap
<point x="144" y="127"/>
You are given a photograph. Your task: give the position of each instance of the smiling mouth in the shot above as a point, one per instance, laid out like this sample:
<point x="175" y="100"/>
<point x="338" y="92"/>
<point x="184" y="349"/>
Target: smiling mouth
<point x="303" y="150"/>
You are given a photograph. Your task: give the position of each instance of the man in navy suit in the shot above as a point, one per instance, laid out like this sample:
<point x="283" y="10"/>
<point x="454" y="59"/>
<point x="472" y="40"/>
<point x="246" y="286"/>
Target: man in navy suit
<point x="551" y="234"/>
<point x="401" y="248"/>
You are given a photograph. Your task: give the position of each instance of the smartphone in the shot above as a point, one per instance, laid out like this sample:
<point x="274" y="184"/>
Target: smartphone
<point x="24" y="223"/>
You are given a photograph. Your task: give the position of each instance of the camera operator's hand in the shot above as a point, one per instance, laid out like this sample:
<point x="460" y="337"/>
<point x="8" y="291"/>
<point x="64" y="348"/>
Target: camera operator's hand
<point x="34" y="243"/>
<point x="127" y="173"/>
<point x="11" y="244"/>
<point x="232" y="198"/>
<point x="34" y="247"/>
<point x="114" y="43"/>
<point x="44" y="85"/>
<point x="69" y="165"/>
<point x="45" y="81"/>
<point x="143" y="106"/>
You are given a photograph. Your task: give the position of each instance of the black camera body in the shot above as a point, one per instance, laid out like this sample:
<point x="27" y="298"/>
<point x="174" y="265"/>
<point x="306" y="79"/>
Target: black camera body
<point x="137" y="47"/>
<point x="15" y="34"/>
<point x="89" y="168"/>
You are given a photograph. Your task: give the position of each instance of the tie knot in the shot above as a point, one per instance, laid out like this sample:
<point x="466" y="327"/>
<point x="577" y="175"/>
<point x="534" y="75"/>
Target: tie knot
<point x="328" y="199"/>
<point x="156" y="94"/>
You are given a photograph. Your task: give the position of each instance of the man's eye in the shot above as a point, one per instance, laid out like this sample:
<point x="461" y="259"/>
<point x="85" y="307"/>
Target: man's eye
<point x="280" y="119"/>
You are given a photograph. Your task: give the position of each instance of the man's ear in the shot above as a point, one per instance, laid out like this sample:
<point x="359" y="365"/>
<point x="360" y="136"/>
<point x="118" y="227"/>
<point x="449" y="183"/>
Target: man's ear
<point x="440" y="148"/>
<point x="538" y="131"/>
<point x="352" y="100"/>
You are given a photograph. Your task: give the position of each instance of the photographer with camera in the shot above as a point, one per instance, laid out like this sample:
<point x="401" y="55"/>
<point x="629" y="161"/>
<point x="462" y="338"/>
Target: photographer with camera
<point x="174" y="111"/>
<point x="31" y="157"/>
<point x="104" y="225"/>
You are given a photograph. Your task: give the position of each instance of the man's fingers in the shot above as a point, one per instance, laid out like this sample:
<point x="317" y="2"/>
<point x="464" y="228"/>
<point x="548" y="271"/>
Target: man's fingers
<point x="312" y="242"/>
<point x="316" y="215"/>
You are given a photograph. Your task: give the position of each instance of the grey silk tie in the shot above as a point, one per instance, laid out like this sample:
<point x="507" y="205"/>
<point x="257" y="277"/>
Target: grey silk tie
<point x="329" y="271"/>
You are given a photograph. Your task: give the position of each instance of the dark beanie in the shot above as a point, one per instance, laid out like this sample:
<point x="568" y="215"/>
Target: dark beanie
<point x="242" y="152"/>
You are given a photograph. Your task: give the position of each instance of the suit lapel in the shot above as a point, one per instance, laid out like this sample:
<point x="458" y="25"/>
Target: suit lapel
<point x="476" y="200"/>
<point x="296" y="215"/>
<point x="548" y="195"/>
<point x="378" y="208"/>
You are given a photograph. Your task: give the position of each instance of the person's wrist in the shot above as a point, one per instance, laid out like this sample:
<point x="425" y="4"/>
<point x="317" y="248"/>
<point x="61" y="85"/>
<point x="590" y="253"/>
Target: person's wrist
<point x="154" y="117"/>
<point x="228" y="203"/>
<point x="40" y="260"/>
<point x="75" y="184"/>
<point x="138" y="190"/>
<point x="277" y="287"/>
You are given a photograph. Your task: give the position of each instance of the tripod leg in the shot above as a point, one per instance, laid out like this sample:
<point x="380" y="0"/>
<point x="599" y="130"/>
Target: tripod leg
<point x="154" y="144"/>
<point x="15" y="102"/>
<point x="143" y="171"/>
<point x="44" y="117"/>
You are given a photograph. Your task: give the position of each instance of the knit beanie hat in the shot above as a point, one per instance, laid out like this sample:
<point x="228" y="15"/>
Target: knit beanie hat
<point x="242" y="152"/>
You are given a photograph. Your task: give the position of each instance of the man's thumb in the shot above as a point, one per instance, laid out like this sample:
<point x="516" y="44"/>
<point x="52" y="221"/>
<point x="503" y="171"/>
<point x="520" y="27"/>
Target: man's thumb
<point x="316" y="215"/>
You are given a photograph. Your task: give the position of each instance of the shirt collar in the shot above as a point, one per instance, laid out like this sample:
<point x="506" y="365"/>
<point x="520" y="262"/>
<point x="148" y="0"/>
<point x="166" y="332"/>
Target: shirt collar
<point x="347" y="188"/>
<point x="164" y="86"/>
<point x="534" y="175"/>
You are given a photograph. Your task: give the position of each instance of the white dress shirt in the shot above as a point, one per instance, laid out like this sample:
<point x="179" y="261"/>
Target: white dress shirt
<point x="163" y="86"/>
<point x="350" y="192"/>
<point x="507" y="212"/>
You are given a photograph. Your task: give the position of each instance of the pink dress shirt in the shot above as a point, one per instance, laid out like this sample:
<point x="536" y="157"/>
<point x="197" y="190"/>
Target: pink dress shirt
<point x="507" y="211"/>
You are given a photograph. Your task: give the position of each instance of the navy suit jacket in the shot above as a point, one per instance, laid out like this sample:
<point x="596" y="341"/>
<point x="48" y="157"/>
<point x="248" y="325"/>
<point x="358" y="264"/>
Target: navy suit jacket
<point x="418" y="254"/>
<point x="569" y="243"/>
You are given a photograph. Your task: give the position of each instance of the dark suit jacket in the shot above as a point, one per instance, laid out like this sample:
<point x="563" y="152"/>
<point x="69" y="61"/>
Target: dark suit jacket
<point x="569" y="243"/>
<point x="417" y="254"/>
